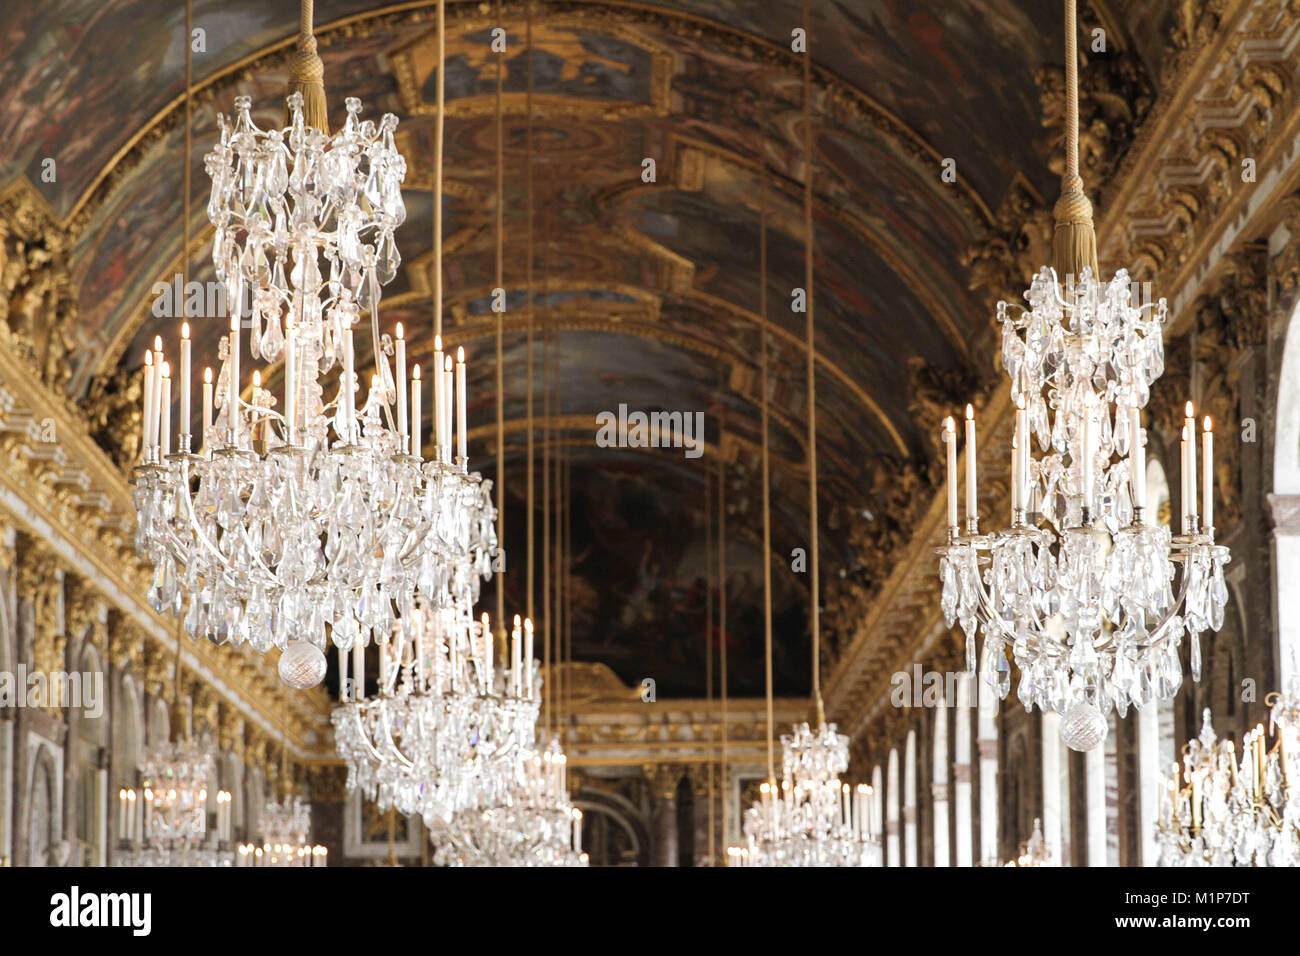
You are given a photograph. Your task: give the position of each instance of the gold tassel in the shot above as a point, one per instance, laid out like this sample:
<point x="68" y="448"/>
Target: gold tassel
<point x="1074" y="244"/>
<point x="307" y="76"/>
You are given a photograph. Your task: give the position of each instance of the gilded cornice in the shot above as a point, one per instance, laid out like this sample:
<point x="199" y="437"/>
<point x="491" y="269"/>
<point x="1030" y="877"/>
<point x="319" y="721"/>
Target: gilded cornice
<point x="78" y="507"/>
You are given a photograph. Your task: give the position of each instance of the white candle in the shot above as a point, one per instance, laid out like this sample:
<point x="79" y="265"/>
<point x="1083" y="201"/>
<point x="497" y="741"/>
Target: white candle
<point x="487" y="654"/>
<point x="401" y="383"/>
<point x="462" y="436"/>
<point x="358" y="671"/>
<point x="528" y="657"/>
<point x="1137" y="459"/>
<point x="972" y="509"/>
<point x="207" y="407"/>
<point x="165" y="412"/>
<point x="515" y="653"/>
<point x="1207" y="476"/>
<point x="259" y="424"/>
<point x="448" y="389"/>
<point x="232" y="400"/>
<point x="1089" y="440"/>
<point x="417" y="446"/>
<point x="345" y="387"/>
<point x="950" y="444"/>
<point x="1015" y="475"/>
<point x="121" y="813"/>
<point x="439" y="400"/>
<point x="184" y="421"/>
<point x="1182" y="472"/>
<point x="290" y="380"/>
<point x="577" y="830"/>
<point x="1190" y="422"/>
<point x="157" y="383"/>
<point x="150" y="419"/>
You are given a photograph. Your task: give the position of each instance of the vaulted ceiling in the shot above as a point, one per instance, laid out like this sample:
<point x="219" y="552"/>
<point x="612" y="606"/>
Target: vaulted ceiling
<point x="646" y="294"/>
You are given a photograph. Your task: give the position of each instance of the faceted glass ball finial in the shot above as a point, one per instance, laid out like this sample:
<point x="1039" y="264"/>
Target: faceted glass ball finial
<point x="1083" y="727"/>
<point x="302" y="665"/>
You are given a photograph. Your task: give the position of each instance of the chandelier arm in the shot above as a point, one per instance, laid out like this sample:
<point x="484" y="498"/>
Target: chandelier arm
<point x="364" y="736"/>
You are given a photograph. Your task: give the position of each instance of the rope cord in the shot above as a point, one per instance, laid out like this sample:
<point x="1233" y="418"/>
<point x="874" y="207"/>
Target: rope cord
<point x="500" y="284"/>
<point x="812" y="370"/>
<point x="307" y="71"/>
<point x="437" y="172"/>
<point x="722" y="612"/>
<point x="767" y="482"/>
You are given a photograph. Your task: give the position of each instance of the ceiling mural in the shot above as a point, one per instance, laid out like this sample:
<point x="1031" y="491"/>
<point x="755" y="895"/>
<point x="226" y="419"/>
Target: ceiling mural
<point x="651" y="289"/>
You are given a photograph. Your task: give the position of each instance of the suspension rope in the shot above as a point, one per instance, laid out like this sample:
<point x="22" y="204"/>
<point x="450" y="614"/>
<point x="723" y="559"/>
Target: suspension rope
<point x="767" y="482"/>
<point x="708" y="647"/>
<point x="501" y="317"/>
<point x="437" y="172"/>
<point x="1074" y="243"/>
<point x="812" y="367"/>
<point x="306" y="71"/>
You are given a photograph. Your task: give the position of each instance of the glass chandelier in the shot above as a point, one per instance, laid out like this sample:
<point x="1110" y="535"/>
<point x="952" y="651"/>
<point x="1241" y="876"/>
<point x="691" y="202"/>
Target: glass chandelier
<point x="447" y="722"/>
<point x="815" y="819"/>
<point x="1221" y="811"/>
<point x="319" y="520"/>
<point x="534" y="823"/>
<point x="165" y="823"/>
<point x="1079" y="589"/>
<point x="286" y="837"/>
<point x="1033" y="852"/>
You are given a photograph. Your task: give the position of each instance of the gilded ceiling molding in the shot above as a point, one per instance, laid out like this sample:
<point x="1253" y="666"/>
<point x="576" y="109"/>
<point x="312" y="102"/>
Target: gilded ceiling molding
<point x="38" y="307"/>
<point x="57" y="482"/>
<point x="1225" y="98"/>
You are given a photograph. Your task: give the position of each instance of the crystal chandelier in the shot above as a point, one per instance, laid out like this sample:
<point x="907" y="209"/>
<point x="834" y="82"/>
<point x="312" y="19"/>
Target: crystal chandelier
<point x="286" y="837"/>
<point x="1220" y="811"/>
<point x="1033" y="852"/>
<point x="319" y="519"/>
<point x="815" y="819"/>
<point x="533" y="824"/>
<point x="1079" y="589"/>
<point x="165" y="823"/>
<point x="447" y="722"/>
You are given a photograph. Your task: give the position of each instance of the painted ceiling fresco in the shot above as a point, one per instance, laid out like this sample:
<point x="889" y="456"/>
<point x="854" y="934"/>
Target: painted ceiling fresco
<point x="650" y="291"/>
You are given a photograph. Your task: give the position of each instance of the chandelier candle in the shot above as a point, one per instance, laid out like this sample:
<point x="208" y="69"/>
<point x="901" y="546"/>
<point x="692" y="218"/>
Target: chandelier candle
<point x="147" y="412"/>
<point x="448" y="390"/>
<point x="232" y="396"/>
<point x="164" y="412"/>
<point x="184" y="424"/>
<point x="462" y="435"/>
<point x="401" y="386"/>
<point x="972" y="507"/>
<point x="439" y="399"/>
<point x="1137" y="462"/>
<point x="207" y="409"/>
<point x="417" y="444"/>
<point x="950" y="445"/>
<point x="1207" y="479"/>
<point x="290" y="381"/>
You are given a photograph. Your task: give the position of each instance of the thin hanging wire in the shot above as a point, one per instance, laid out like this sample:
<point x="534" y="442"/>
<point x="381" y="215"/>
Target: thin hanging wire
<point x="767" y="480"/>
<point x="501" y="318"/>
<point x="437" y="174"/>
<point x="548" y="632"/>
<point x="529" y="453"/>
<point x="722" y="611"/>
<point x="185" y="278"/>
<point x="708" y="649"/>
<point x="812" y="369"/>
